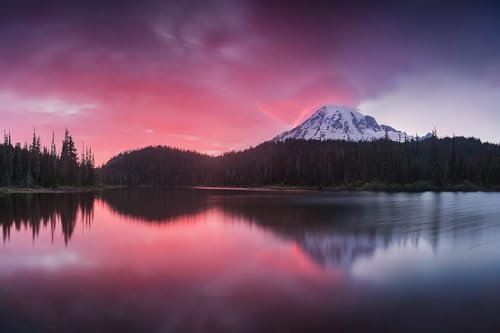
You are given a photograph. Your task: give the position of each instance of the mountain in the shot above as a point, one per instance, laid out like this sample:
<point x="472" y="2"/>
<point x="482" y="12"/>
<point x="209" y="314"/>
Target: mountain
<point x="334" y="122"/>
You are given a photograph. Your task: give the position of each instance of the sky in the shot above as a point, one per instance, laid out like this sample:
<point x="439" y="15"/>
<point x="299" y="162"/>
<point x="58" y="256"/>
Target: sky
<point x="214" y="76"/>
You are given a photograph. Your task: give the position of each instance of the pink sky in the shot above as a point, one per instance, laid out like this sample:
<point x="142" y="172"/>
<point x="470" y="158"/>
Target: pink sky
<point x="229" y="75"/>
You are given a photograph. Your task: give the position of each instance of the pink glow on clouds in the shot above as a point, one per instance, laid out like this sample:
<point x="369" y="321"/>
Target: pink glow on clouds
<point x="225" y="75"/>
<point x="210" y="98"/>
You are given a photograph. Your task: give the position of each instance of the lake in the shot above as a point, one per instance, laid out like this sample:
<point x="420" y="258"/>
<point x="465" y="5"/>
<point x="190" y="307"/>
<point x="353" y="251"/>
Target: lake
<point x="164" y="260"/>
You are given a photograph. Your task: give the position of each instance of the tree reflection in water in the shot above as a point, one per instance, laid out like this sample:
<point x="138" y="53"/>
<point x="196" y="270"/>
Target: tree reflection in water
<point x="242" y="261"/>
<point x="35" y="211"/>
<point x="332" y="229"/>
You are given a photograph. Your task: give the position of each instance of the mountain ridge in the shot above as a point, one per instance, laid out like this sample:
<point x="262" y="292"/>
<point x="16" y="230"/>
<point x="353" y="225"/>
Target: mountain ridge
<point x="337" y="122"/>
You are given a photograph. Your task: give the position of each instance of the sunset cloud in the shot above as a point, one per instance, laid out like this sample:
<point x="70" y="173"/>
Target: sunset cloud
<point x="229" y="73"/>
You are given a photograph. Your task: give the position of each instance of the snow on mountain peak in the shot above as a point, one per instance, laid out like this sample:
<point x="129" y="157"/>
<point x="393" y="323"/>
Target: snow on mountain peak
<point x="336" y="122"/>
<point x="333" y="109"/>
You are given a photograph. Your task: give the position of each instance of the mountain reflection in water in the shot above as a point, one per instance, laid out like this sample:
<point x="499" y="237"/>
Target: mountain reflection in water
<point x="130" y="260"/>
<point x="332" y="229"/>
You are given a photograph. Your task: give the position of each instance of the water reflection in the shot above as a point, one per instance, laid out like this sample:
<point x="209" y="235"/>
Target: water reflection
<point x="333" y="229"/>
<point x="36" y="211"/>
<point x="155" y="205"/>
<point x="150" y="260"/>
<point x="337" y="229"/>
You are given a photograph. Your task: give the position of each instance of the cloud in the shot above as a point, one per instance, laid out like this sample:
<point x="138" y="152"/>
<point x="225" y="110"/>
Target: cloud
<point x="13" y="103"/>
<point x="230" y="72"/>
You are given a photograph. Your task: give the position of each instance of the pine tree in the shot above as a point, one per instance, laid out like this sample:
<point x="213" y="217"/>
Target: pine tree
<point x="453" y="161"/>
<point x="435" y="169"/>
<point x="35" y="158"/>
<point x="53" y="162"/>
<point x="34" y="165"/>
<point x="69" y="160"/>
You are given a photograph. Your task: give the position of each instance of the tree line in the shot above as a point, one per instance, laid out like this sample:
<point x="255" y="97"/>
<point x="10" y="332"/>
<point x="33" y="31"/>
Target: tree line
<point x="433" y="162"/>
<point x="36" y="212"/>
<point x="34" y="165"/>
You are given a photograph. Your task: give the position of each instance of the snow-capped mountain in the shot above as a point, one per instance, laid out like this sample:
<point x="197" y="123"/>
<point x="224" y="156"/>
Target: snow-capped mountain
<point x="335" y="122"/>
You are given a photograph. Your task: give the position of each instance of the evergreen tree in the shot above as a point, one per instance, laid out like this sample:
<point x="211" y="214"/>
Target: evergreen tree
<point x="434" y="162"/>
<point x="435" y="171"/>
<point x="453" y="162"/>
<point x="69" y="160"/>
<point x="35" y="158"/>
<point x="34" y="165"/>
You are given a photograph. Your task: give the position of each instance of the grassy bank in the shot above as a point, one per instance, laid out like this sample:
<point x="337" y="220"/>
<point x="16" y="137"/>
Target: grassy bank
<point x="372" y="187"/>
<point x="60" y="189"/>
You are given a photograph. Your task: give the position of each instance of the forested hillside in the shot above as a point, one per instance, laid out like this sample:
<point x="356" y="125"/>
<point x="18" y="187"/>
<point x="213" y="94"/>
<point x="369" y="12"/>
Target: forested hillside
<point x="34" y="165"/>
<point x="438" y="162"/>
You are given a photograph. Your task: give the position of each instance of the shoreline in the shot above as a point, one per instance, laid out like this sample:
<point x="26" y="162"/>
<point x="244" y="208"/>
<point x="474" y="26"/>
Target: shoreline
<point x="258" y="188"/>
<point x="53" y="190"/>
<point x="369" y="187"/>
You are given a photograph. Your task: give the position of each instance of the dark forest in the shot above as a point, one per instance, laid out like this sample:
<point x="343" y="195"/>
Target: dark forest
<point x="33" y="165"/>
<point x="451" y="163"/>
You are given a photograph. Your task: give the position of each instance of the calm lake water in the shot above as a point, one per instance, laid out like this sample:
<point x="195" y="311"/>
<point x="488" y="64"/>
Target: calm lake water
<point x="145" y="260"/>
